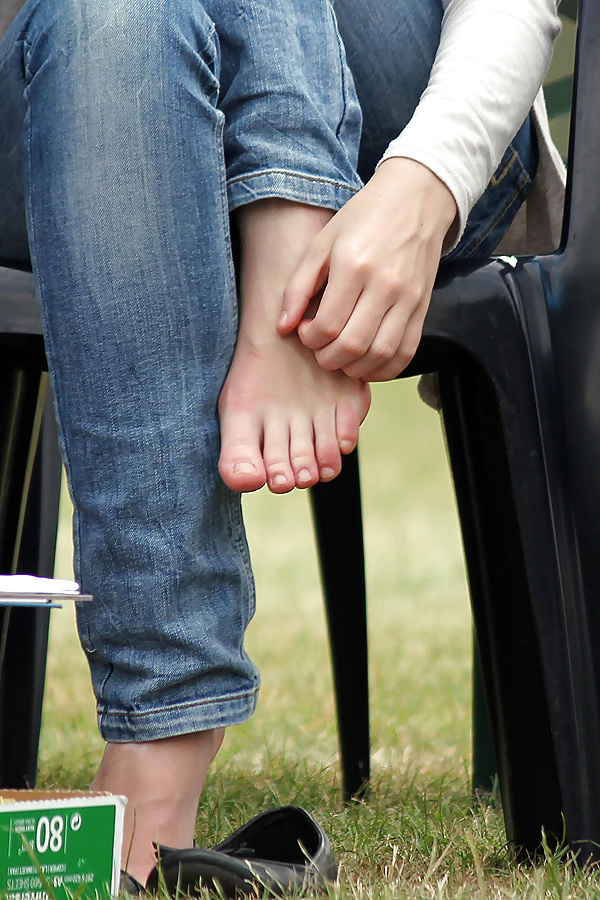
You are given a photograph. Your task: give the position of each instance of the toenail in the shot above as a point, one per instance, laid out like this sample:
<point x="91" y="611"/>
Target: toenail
<point x="327" y="473"/>
<point x="304" y="475"/>
<point x="279" y="479"/>
<point x="244" y="468"/>
<point x="346" y="446"/>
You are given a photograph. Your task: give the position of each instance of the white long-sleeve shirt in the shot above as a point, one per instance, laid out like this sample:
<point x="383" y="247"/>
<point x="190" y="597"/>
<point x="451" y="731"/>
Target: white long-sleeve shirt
<point x="491" y="61"/>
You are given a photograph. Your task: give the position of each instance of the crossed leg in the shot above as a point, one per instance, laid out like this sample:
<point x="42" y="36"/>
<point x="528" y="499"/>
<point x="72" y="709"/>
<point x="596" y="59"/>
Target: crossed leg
<point x="284" y="420"/>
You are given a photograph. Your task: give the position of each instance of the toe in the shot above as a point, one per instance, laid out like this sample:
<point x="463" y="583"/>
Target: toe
<point x="350" y="414"/>
<point x="276" y="454"/>
<point x="240" y="462"/>
<point x="327" y="449"/>
<point x="302" y="452"/>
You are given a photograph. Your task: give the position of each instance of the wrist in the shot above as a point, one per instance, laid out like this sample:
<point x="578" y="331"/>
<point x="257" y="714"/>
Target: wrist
<point x="405" y="173"/>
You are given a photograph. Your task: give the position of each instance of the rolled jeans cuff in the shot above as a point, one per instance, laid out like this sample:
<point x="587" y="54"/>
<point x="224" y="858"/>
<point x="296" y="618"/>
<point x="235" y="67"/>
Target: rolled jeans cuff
<point x="182" y="718"/>
<point x="299" y="187"/>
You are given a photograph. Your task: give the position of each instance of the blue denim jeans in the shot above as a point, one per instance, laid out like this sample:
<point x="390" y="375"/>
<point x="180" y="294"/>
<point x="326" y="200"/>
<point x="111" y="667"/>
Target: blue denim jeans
<point x="129" y="129"/>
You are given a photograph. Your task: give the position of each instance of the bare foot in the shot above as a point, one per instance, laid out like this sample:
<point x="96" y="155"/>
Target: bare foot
<point x="162" y="781"/>
<point x="285" y="421"/>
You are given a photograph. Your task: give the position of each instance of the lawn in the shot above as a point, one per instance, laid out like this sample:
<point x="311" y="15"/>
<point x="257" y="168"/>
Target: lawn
<point x="420" y="834"/>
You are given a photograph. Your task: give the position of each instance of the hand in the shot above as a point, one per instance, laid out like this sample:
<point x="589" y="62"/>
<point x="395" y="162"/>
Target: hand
<point x="368" y="275"/>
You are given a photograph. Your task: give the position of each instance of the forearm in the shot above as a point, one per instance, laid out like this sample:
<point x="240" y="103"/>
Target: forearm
<point x="491" y="61"/>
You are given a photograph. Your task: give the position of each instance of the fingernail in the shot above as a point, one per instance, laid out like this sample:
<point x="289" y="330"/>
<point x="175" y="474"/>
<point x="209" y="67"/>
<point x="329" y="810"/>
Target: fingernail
<point x="283" y="317"/>
<point x="244" y="468"/>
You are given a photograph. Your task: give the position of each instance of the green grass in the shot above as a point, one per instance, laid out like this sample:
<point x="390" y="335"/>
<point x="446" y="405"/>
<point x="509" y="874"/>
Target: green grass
<point x="419" y="834"/>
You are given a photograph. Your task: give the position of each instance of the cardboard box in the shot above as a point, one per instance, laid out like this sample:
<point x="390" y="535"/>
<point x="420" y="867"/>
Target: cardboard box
<point x="58" y="844"/>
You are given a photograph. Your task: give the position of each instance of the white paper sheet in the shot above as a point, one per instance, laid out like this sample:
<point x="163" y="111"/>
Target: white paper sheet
<point x="31" y="590"/>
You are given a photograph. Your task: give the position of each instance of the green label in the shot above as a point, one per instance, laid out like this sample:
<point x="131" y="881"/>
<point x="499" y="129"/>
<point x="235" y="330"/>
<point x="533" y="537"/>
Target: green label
<point x="55" y="854"/>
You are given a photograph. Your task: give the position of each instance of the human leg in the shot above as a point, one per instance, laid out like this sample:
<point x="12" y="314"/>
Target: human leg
<point x="124" y="182"/>
<point x="163" y="781"/>
<point x="139" y="305"/>
<point x="287" y="428"/>
<point x="391" y="47"/>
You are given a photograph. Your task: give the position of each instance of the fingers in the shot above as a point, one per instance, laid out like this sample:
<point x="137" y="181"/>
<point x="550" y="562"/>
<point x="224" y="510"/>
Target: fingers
<point x="307" y="282"/>
<point x="343" y="290"/>
<point x="332" y="273"/>
<point x="375" y="263"/>
<point x="374" y="339"/>
<point x="396" y="364"/>
<point x="360" y="323"/>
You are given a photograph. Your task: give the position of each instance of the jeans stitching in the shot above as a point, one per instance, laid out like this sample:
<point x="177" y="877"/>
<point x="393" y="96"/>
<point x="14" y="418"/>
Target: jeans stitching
<point x="319" y="179"/>
<point x="496" y="181"/>
<point x="344" y="86"/>
<point x="234" y="513"/>
<point x="192" y="704"/>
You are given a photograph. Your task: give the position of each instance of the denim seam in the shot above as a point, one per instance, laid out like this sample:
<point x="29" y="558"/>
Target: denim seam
<point x="110" y="669"/>
<point x="32" y="232"/>
<point x="26" y="49"/>
<point x="235" y="514"/>
<point x="505" y="171"/>
<point x="225" y="220"/>
<point x="159" y="710"/>
<point x="344" y="115"/>
<point x="314" y="178"/>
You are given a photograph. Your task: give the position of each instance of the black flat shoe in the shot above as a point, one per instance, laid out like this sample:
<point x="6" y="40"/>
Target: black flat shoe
<point x="277" y="852"/>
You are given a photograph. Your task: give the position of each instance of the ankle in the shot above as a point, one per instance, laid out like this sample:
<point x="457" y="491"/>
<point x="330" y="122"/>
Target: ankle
<point x="162" y="781"/>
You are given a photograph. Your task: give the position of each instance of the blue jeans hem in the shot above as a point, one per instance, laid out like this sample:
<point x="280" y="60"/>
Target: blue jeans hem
<point x="182" y="718"/>
<point x="296" y="186"/>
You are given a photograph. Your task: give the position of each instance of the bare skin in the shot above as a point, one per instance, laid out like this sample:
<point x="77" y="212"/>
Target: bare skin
<point x="285" y="420"/>
<point x="375" y="263"/>
<point x="162" y="781"/>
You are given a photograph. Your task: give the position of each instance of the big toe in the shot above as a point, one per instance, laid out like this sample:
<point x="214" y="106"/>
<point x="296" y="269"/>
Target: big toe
<point x="240" y="462"/>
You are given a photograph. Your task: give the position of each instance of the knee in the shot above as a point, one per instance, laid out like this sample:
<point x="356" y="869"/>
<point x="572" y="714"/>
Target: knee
<point x="123" y="40"/>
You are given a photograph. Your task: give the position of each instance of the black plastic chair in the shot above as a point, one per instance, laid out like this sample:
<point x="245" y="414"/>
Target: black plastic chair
<point x="29" y="497"/>
<point x="516" y="345"/>
<point x="30" y="476"/>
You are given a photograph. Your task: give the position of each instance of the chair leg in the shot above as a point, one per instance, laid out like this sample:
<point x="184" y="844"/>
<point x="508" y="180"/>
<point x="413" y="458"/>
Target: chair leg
<point x="506" y="631"/>
<point x="337" y="517"/>
<point x="21" y="694"/>
<point x="485" y="766"/>
<point x="30" y="470"/>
